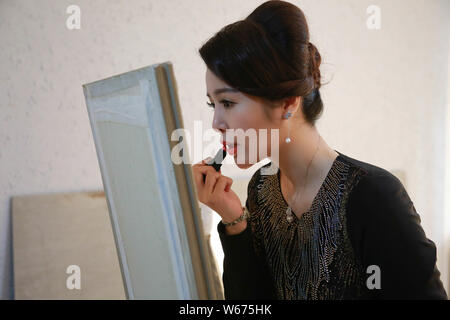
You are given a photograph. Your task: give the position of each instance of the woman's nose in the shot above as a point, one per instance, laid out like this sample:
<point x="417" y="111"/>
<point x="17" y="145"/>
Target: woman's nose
<point x="218" y="125"/>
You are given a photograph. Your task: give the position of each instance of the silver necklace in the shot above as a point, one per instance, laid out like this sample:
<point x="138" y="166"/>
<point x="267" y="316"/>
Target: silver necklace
<point x="289" y="214"/>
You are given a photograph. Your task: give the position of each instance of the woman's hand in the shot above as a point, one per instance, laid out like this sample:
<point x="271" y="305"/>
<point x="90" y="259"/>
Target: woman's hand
<point x="216" y="191"/>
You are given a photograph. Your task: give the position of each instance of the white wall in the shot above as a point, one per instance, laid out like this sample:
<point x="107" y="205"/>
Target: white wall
<point x="386" y="102"/>
<point x="445" y="252"/>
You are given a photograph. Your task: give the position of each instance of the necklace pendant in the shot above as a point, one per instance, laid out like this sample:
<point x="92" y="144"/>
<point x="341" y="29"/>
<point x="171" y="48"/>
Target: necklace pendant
<point x="289" y="215"/>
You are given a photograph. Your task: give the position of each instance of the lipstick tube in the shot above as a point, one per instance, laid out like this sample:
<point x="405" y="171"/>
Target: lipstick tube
<point x="216" y="162"/>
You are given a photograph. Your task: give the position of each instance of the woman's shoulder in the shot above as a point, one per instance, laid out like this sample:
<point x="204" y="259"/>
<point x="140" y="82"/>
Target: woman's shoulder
<point x="374" y="187"/>
<point x="377" y="198"/>
<point x="371" y="173"/>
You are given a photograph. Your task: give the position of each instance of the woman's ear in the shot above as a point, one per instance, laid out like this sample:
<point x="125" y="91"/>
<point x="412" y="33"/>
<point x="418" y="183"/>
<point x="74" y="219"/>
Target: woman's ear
<point x="292" y="105"/>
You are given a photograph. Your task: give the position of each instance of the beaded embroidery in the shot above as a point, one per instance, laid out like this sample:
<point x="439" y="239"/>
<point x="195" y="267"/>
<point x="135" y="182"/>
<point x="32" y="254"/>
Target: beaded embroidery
<point x="312" y="256"/>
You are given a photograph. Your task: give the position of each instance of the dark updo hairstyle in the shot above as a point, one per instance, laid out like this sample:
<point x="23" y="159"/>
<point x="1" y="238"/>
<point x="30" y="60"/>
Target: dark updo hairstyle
<point x="268" y="55"/>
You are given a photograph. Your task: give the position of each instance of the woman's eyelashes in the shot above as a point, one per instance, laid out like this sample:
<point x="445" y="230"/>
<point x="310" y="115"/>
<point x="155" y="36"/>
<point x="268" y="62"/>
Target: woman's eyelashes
<point x="226" y="104"/>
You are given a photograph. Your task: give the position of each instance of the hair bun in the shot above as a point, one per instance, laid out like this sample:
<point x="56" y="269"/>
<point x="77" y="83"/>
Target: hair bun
<point x="314" y="64"/>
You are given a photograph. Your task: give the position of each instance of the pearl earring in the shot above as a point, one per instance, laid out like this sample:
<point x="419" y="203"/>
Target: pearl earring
<point x="288" y="115"/>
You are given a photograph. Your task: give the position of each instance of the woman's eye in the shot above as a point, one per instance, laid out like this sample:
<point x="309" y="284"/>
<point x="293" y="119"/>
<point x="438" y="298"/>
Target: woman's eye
<point x="226" y="103"/>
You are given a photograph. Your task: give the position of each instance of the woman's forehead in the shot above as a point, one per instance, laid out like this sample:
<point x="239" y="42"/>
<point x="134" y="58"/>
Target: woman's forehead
<point x="215" y="85"/>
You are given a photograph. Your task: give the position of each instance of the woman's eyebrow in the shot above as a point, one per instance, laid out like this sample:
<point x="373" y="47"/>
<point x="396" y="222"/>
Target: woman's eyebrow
<point x="221" y="90"/>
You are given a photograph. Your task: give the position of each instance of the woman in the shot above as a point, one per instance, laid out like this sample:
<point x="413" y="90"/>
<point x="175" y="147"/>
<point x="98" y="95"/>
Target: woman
<point x="324" y="226"/>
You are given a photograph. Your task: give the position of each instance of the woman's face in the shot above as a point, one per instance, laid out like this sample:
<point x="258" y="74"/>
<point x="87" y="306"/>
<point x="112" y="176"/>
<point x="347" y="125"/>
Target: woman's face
<point x="235" y="110"/>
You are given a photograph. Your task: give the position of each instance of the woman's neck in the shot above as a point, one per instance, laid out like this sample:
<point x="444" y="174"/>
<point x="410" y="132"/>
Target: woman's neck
<point x="306" y="148"/>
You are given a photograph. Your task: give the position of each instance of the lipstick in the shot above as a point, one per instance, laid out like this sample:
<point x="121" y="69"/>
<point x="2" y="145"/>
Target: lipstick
<point x="216" y="162"/>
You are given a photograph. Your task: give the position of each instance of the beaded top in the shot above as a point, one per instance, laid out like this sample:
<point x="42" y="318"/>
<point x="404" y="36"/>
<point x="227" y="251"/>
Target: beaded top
<point x="312" y="256"/>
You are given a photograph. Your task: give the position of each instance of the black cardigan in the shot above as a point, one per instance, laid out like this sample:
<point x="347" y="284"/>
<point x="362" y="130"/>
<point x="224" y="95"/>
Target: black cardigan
<point x="383" y="229"/>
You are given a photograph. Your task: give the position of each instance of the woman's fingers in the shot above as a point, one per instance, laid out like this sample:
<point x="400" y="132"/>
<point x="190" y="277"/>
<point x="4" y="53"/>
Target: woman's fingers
<point x="211" y="176"/>
<point x="223" y="183"/>
<point x="213" y="185"/>
<point x="205" y="169"/>
<point x="228" y="187"/>
<point x="198" y="173"/>
<point x="211" y="179"/>
<point x="198" y="170"/>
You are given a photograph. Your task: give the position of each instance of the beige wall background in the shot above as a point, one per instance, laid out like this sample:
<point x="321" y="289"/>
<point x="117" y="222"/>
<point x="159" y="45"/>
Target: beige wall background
<point x="387" y="102"/>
